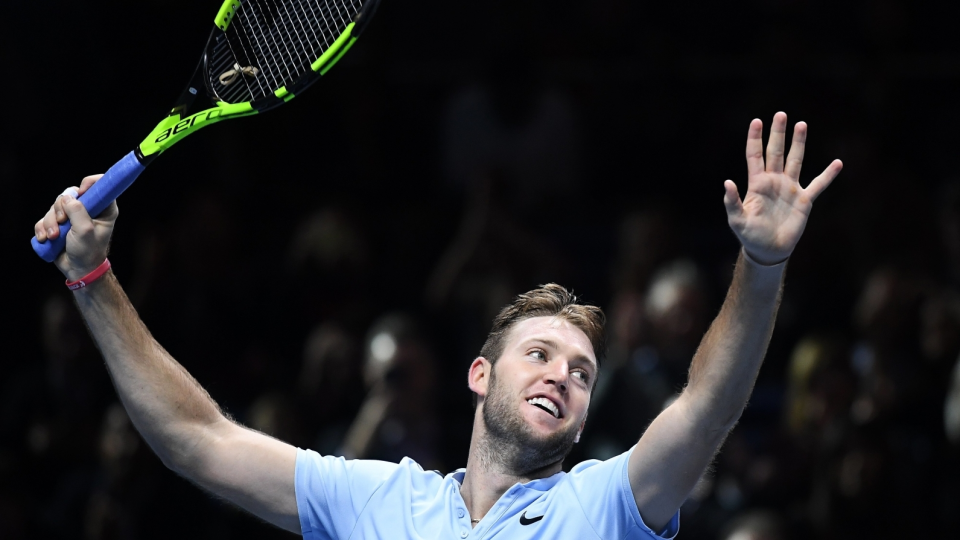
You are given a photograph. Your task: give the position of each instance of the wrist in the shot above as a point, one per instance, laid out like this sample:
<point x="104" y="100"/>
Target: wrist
<point x="762" y="261"/>
<point x="74" y="269"/>
<point x="88" y="278"/>
<point x="760" y="278"/>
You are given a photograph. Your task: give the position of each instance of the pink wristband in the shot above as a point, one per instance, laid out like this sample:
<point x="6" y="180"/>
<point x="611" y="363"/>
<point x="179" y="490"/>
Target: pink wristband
<point x="97" y="273"/>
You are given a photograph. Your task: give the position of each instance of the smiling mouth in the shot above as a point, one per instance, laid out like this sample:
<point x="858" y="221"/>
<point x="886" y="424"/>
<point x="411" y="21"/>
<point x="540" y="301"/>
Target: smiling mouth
<point x="545" y="404"/>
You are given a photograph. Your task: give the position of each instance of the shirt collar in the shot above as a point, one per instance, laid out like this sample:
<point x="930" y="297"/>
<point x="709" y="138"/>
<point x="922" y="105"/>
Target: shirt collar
<point x="540" y="484"/>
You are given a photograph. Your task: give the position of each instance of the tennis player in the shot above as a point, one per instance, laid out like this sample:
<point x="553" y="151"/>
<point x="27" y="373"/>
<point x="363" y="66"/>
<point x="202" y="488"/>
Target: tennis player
<point x="532" y="382"/>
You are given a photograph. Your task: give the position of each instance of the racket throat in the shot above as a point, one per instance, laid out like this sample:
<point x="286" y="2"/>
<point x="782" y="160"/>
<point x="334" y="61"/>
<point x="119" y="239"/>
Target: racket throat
<point x="183" y="106"/>
<point x="185" y="118"/>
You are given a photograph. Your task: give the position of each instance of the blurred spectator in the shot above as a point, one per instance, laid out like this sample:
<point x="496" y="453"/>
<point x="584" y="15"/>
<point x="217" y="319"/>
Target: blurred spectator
<point x="327" y="268"/>
<point x="949" y="214"/>
<point x="755" y="525"/>
<point x="940" y="329"/>
<point x="820" y="391"/>
<point x="51" y="417"/>
<point x="893" y="414"/>
<point x="646" y="239"/>
<point x="493" y="254"/>
<point x="274" y="413"/>
<point x="328" y="240"/>
<point x="653" y="340"/>
<point x="116" y="503"/>
<point x="951" y="409"/>
<point x="330" y="385"/>
<point x="887" y="316"/>
<point x="399" y="416"/>
<point x="676" y="305"/>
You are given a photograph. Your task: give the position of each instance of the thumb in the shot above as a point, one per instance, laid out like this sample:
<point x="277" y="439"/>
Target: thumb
<point x="731" y="199"/>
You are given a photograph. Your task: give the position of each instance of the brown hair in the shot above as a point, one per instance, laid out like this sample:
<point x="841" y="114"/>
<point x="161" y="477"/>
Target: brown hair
<point x="549" y="300"/>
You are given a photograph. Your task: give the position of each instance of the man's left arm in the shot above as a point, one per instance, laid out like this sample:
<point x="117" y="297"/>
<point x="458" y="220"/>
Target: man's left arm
<point x="680" y="443"/>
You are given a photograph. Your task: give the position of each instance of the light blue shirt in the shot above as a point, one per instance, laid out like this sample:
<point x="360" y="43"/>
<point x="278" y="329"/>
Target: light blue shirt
<point x="360" y="500"/>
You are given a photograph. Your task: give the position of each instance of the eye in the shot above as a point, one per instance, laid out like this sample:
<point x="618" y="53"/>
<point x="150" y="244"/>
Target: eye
<point x="538" y="354"/>
<point x="582" y="375"/>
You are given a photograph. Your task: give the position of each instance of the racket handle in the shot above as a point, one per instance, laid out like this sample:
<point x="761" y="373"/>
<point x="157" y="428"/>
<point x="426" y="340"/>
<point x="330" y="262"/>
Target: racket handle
<point x="96" y="199"/>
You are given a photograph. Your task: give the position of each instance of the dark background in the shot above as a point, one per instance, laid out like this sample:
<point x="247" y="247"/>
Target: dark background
<point x="464" y="152"/>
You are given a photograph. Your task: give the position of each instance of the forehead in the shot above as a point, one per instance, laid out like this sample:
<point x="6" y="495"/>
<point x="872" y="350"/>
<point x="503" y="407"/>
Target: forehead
<point x="566" y="335"/>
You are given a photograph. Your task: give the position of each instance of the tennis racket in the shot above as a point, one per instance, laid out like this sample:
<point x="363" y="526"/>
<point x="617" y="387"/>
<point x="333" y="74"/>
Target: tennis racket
<point x="260" y="54"/>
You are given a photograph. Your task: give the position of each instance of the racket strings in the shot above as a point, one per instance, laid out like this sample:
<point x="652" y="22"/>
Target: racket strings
<point x="229" y="77"/>
<point x="280" y="39"/>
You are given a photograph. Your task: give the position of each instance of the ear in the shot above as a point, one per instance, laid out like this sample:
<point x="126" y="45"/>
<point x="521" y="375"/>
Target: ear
<point x="580" y="431"/>
<point x="479" y="376"/>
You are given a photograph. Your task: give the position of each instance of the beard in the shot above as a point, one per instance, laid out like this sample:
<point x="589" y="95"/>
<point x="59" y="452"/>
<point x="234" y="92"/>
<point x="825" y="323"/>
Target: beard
<point x="512" y="443"/>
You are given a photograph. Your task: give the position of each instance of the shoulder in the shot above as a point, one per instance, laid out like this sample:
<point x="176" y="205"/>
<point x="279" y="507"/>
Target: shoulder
<point x="326" y="472"/>
<point x="590" y="470"/>
<point x="333" y="493"/>
<point x="602" y="492"/>
<point x="331" y="467"/>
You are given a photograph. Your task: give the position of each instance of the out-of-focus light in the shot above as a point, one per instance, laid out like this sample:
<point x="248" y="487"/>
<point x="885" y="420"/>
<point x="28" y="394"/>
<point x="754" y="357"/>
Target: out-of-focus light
<point x="383" y="347"/>
<point x="951" y="412"/>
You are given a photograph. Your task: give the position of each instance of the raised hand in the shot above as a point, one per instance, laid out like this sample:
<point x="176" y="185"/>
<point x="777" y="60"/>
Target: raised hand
<point x="88" y="239"/>
<point x="771" y="218"/>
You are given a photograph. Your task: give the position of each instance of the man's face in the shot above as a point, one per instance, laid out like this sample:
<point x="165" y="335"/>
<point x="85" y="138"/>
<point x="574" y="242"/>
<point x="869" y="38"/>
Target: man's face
<point x="539" y="391"/>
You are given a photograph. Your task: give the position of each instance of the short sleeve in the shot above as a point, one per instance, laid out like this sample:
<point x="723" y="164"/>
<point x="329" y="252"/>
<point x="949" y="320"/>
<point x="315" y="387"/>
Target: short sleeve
<point x="603" y="489"/>
<point x="332" y="492"/>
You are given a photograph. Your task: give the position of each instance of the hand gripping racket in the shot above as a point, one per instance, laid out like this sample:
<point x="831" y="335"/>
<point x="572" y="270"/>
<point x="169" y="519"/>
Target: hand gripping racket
<point x="260" y="55"/>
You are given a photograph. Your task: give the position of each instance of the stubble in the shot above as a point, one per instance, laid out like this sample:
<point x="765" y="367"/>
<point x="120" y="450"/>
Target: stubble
<point x="511" y="444"/>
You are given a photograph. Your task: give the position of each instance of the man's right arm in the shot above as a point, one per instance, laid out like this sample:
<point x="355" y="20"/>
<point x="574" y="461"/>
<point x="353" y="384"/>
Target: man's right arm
<point x="172" y="412"/>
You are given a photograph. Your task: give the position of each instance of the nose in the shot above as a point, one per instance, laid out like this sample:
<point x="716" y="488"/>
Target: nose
<point x="558" y="375"/>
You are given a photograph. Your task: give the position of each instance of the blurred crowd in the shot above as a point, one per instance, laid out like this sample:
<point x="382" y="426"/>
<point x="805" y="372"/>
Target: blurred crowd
<point x="853" y="429"/>
<point x="343" y="318"/>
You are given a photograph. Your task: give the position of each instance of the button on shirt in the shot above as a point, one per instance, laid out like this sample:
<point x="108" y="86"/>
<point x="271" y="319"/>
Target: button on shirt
<point x="342" y="499"/>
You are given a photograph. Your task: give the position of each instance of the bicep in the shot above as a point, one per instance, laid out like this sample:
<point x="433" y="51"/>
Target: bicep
<point x="668" y="461"/>
<point x="250" y="469"/>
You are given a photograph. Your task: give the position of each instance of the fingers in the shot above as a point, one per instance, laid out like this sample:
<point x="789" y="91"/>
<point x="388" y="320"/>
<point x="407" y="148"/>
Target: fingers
<point x="111" y="212"/>
<point x="49" y="226"/>
<point x="87" y="182"/>
<point x="778" y="135"/>
<point x="820" y="183"/>
<point x="57" y="208"/>
<point x="40" y="232"/>
<point x="731" y="199"/>
<point x="755" y="147"/>
<point x="80" y="220"/>
<point x="795" y="157"/>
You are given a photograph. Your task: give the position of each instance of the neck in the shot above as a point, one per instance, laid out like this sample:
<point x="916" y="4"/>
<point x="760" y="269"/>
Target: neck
<point x="489" y="472"/>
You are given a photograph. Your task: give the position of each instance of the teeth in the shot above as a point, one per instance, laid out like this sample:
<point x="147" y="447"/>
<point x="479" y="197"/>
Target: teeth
<point x="546" y="403"/>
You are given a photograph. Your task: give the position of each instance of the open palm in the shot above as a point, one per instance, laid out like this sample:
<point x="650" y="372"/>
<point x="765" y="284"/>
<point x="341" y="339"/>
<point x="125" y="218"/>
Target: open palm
<point x="771" y="218"/>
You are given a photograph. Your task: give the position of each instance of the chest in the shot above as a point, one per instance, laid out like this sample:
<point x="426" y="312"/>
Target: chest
<point x="520" y="514"/>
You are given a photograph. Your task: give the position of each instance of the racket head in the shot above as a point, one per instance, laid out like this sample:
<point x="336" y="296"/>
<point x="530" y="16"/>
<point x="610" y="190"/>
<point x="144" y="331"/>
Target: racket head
<point x="275" y="50"/>
<point x="264" y="52"/>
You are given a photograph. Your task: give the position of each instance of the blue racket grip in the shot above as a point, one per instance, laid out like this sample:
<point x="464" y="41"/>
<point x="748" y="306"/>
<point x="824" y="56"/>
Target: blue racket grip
<point x="96" y="199"/>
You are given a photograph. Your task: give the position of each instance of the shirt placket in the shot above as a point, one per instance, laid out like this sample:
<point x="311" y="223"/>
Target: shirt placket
<point x="493" y="516"/>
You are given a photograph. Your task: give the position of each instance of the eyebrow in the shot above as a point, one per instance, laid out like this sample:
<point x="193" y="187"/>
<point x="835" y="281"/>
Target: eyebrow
<point x="554" y="345"/>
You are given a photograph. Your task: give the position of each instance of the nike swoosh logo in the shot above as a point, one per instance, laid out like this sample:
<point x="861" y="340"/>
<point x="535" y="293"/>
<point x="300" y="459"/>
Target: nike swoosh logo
<point x="524" y="520"/>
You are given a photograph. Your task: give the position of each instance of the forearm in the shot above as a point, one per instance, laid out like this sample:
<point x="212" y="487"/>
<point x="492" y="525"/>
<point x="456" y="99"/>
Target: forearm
<point x="679" y="444"/>
<point x="728" y="360"/>
<point x="768" y="221"/>
<point x="167" y="405"/>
